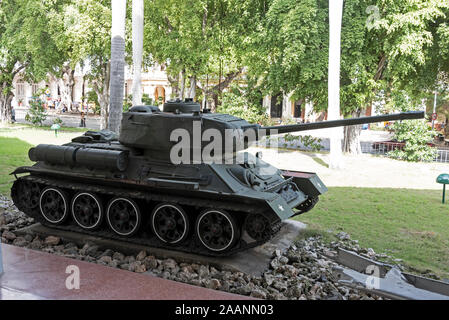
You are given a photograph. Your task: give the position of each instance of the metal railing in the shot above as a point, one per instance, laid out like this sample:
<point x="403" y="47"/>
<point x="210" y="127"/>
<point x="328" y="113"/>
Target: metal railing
<point x="382" y="148"/>
<point x="442" y="156"/>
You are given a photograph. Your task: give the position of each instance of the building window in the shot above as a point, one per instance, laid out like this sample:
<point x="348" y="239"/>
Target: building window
<point x="35" y="88"/>
<point x="20" y="89"/>
<point x="276" y="106"/>
<point x="298" y="109"/>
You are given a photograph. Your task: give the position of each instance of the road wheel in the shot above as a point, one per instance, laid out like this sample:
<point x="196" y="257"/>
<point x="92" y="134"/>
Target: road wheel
<point x="53" y="204"/>
<point x="217" y="230"/>
<point x="87" y="210"/>
<point x="170" y="223"/>
<point x="123" y="216"/>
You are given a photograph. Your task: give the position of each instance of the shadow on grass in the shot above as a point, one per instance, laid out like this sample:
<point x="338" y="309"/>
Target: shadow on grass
<point x="320" y="161"/>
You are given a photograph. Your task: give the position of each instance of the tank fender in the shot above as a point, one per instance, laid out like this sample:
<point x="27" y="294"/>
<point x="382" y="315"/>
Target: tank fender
<point x="281" y="208"/>
<point x="307" y="182"/>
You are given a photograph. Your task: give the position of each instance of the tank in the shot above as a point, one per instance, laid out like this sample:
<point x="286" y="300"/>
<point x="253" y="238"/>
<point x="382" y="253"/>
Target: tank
<point x="178" y="179"/>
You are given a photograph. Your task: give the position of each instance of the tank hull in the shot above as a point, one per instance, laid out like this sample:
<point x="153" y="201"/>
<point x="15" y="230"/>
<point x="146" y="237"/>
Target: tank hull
<point x="237" y="200"/>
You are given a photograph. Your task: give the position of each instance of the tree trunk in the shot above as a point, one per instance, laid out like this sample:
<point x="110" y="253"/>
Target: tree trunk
<point x="5" y="106"/>
<point x="192" y="90"/>
<point x="214" y="102"/>
<point x="214" y="92"/>
<point x="104" y="114"/>
<point x="183" y="84"/>
<point x="102" y="91"/>
<point x="8" y="74"/>
<point x="137" y="21"/>
<point x="66" y="84"/>
<point x="174" y="83"/>
<point x="117" y="65"/>
<point x="351" y="142"/>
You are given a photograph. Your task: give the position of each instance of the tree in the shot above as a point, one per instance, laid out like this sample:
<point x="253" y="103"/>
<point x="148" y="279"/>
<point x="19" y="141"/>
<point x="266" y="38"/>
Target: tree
<point x="387" y="46"/>
<point x="82" y="30"/>
<point x="177" y="34"/>
<point x="203" y="43"/>
<point x="26" y="46"/>
<point x="117" y="64"/>
<point x="416" y="134"/>
<point x="137" y="31"/>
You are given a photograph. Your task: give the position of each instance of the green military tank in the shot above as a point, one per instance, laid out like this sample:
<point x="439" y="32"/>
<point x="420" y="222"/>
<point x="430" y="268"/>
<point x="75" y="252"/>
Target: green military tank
<point x="178" y="178"/>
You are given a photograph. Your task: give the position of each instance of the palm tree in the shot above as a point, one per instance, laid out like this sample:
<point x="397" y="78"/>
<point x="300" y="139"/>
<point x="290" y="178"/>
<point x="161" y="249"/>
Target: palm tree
<point x="117" y="64"/>
<point x="333" y="109"/>
<point x="137" y="50"/>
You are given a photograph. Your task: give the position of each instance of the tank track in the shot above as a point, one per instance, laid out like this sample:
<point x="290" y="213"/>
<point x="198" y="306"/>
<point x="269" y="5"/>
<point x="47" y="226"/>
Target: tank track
<point x="306" y="205"/>
<point x="143" y="237"/>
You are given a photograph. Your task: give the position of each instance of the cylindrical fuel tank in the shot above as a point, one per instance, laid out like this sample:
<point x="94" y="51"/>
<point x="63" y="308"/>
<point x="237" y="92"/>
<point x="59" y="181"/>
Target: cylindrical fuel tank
<point x="98" y="158"/>
<point x="53" y="154"/>
<point x="78" y="156"/>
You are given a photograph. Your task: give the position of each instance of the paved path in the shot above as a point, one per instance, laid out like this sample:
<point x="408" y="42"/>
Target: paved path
<point x="359" y="171"/>
<point x="35" y="275"/>
<point x="36" y="136"/>
<point x="92" y="122"/>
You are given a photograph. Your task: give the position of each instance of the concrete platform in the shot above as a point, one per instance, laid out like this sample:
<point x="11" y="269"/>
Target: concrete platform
<point x="253" y="261"/>
<point x="35" y="275"/>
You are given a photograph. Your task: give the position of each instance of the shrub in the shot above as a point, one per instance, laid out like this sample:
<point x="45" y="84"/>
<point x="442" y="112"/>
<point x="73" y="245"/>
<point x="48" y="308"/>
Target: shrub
<point x="308" y="141"/>
<point x="237" y="105"/>
<point x="36" y="113"/>
<point x="58" y="121"/>
<point x="127" y="103"/>
<point x="416" y="134"/>
<point x="146" y="100"/>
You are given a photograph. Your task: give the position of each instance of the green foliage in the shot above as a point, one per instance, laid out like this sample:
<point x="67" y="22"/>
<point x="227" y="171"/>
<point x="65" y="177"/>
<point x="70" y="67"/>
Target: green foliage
<point x="59" y="121"/>
<point x="81" y="29"/>
<point x="36" y="113"/>
<point x="312" y="142"/>
<point x="308" y="141"/>
<point x="416" y="134"/>
<point x="127" y="102"/>
<point x="201" y="39"/>
<point x="26" y="44"/>
<point x="92" y="96"/>
<point x="146" y="100"/>
<point x="237" y="104"/>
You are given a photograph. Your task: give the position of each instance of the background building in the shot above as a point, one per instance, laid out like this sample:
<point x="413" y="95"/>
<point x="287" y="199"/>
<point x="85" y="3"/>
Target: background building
<point x="154" y="83"/>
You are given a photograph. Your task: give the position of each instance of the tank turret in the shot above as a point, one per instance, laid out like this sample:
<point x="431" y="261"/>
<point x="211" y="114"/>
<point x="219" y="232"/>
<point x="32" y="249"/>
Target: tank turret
<point x="157" y="132"/>
<point x="130" y="187"/>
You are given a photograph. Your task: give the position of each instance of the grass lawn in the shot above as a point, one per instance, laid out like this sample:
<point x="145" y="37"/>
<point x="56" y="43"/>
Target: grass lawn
<point x="13" y="153"/>
<point x="408" y="224"/>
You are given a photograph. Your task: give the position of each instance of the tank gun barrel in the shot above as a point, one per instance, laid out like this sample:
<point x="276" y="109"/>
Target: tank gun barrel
<point x="344" y="122"/>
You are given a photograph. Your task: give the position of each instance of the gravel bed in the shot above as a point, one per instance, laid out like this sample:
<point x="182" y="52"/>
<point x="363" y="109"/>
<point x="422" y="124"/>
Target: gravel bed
<point x="302" y="272"/>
